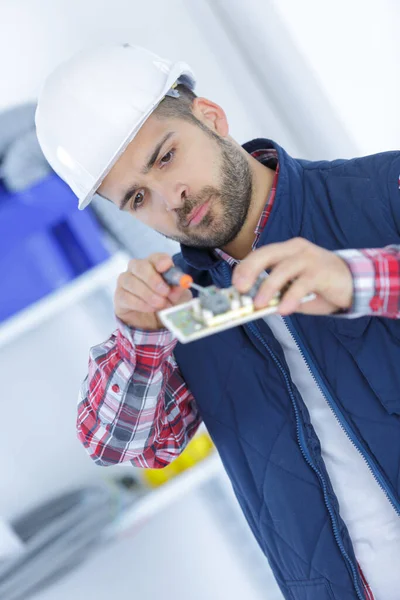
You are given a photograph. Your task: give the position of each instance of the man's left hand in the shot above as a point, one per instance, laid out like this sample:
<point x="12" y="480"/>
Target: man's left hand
<point x="307" y="268"/>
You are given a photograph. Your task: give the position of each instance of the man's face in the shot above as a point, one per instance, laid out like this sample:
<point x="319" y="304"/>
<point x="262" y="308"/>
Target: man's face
<point x="190" y="185"/>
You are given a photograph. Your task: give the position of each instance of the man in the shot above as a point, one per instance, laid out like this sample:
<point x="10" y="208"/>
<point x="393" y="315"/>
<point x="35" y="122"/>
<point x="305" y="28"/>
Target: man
<point x="304" y="410"/>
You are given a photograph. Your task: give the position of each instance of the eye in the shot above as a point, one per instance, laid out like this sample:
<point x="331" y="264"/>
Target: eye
<point x="167" y="158"/>
<point x="138" y="200"/>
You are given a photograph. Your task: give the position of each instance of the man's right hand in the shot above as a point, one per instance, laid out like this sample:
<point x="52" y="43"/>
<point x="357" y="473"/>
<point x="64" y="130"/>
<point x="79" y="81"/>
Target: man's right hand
<point x="141" y="292"/>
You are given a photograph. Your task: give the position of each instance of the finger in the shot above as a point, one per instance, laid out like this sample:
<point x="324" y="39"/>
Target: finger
<point x="292" y="298"/>
<point x="137" y="287"/>
<point x="246" y="273"/>
<point x="319" y="306"/>
<point x="146" y="270"/>
<point x="161" y="261"/>
<point x="179" y="295"/>
<point x="129" y="302"/>
<point x="280" y="276"/>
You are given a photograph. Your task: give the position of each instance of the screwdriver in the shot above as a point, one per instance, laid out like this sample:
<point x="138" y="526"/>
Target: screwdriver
<point x="175" y="276"/>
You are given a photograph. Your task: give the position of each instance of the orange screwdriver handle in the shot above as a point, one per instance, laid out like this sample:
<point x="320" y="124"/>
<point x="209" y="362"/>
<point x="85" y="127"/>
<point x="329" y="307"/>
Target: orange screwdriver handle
<point x="175" y="276"/>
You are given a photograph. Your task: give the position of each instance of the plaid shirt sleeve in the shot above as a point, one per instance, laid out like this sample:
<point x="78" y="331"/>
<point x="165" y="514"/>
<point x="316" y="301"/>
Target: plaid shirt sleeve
<point x="376" y="281"/>
<point x="134" y="405"/>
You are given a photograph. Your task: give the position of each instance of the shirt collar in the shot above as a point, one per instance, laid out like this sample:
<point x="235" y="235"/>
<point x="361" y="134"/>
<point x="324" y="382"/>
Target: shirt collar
<point x="268" y="157"/>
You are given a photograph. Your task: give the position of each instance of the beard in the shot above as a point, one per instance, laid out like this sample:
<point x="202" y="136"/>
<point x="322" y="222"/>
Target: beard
<point x="232" y="199"/>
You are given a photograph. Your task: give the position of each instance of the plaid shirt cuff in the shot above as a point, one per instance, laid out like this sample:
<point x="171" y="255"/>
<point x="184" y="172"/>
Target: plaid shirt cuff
<point x="134" y="342"/>
<point x="376" y="281"/>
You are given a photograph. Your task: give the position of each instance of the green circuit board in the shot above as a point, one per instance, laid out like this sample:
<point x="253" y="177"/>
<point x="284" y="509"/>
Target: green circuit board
<point x="220" y="310"/>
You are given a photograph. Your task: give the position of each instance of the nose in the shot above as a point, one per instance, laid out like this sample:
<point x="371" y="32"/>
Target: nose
<point x="175" y="197"/>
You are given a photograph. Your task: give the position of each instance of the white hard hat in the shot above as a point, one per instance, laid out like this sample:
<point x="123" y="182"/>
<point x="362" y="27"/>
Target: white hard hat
<point x="93" y="105"/>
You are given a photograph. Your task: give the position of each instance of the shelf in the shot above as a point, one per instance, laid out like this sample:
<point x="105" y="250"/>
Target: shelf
<point x="54" y="303"/>
<point x="160" y="498"/>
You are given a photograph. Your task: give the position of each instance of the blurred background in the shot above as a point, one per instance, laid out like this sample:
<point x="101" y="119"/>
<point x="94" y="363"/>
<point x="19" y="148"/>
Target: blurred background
<point x="319" y="78"/>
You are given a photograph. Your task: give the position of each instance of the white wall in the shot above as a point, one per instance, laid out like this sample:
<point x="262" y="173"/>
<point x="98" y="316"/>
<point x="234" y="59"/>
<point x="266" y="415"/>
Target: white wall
<point x="38" y="34"/>
<point x="353" y="48"/>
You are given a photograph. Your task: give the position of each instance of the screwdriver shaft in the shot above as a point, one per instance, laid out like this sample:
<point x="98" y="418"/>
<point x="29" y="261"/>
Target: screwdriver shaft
<point x="199" y="288"/>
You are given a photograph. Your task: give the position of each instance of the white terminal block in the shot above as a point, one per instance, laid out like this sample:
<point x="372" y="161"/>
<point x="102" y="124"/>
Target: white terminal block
<point x="247" y="301"/>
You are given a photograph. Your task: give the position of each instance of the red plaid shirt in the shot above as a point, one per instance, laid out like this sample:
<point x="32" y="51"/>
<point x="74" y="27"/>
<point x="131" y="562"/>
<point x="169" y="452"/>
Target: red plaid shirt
<point x="135" y="405"/>
<point x="376" y="281"/>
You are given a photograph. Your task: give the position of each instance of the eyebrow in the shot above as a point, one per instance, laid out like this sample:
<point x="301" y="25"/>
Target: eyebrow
<point x="146" y="169"/>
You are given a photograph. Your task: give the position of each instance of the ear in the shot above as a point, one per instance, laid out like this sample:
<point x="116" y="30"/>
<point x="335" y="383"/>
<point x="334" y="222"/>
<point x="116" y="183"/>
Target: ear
<point x="212" y="115"/>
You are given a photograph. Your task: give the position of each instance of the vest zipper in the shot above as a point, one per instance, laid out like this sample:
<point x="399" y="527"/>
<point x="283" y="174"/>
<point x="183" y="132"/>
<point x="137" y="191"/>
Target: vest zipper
<point x="339" y="416"/>
<point x="301" y="441"/>
<point x="304" y="450"/>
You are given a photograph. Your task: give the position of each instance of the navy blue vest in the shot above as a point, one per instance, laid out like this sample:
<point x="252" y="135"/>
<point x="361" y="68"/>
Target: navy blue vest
<point x="254" y="412"/>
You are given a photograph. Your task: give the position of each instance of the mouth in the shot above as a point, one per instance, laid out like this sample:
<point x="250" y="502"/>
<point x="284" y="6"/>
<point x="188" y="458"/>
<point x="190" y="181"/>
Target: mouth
<point x="198" y="214"/>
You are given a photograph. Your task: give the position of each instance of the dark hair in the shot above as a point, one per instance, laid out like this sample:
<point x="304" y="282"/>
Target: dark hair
<point x="181" y="108"/>
<point x="178" y="108"/>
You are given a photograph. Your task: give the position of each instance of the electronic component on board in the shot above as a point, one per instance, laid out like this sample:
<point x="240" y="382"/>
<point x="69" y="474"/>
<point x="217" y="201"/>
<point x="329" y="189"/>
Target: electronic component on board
<point x="215" y="310"/>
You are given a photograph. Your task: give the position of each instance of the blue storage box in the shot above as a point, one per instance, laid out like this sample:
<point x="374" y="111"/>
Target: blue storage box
<point x="45" y="241"/>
